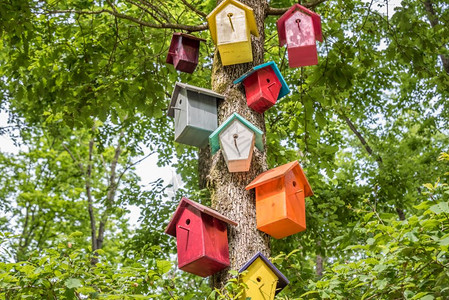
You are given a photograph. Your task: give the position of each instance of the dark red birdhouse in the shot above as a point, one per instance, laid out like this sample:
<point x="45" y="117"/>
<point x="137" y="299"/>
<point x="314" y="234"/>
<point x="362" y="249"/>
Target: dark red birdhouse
<point x="264" y="85"/>
<point x="300" y="28"/>
<point x="201" y="238"/>
<point x="183" y="52"/>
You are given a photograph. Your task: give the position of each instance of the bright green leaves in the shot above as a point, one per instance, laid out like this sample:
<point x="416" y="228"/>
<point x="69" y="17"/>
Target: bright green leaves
<point x="440" y="208"/>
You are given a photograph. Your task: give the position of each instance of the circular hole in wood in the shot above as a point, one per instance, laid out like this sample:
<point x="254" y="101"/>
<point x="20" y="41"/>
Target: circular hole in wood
<point x="298" y="20"/>
<point x="268" y="80"/>
<point x="294" y="183"/>
<point x="230" y="15"/>
<point x="188" y="221"/>
<point x="180" y="101"/>
<point x="259" y="279"/>
<point x="235" y="136"/>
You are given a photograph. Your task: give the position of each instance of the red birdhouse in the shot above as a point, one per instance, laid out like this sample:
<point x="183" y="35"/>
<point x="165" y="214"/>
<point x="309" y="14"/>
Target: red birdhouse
<point x="280" y="205"/>
<point x="264" y="85"/>
<point x="201" y="238"/>
<point x="183" y="52"/>
<point x="299" y="28"/>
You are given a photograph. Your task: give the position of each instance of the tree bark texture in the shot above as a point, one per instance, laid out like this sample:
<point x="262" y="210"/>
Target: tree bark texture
<point x="228" y="194"/>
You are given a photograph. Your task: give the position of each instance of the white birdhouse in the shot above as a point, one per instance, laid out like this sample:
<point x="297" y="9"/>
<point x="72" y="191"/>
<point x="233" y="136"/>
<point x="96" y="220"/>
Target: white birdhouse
<point x="237" y="138"/>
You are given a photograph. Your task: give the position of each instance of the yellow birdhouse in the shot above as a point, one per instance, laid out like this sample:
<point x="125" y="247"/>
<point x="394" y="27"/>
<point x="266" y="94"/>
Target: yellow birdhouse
<point x="230" y="25"/>
<point x="262" y="278"/>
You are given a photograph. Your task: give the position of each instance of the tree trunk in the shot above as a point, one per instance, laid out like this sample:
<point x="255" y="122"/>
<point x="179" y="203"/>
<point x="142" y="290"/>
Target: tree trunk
<point x="228" y="194"/>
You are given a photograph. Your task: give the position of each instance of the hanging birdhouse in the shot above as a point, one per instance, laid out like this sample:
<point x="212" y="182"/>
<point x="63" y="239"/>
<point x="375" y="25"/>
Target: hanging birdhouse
<point x="280" y="204"/>
<point x="183" y="52"/>
<point x="195" y="112"/>
<point x="236" y="137"/>
<point x="230" y="25"/>
<point x="264" y="85"/>
<point x="201" y="238"/>
<point x="263" y="279"/>
<point x="300" y="28"/>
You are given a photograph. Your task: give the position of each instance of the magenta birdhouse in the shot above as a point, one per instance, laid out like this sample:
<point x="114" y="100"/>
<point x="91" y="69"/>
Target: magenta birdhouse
<point x="201" y="238"/>
<point x="300" y="28"/>
<point x="264" y="85"/>
<point x="183" y="52"/>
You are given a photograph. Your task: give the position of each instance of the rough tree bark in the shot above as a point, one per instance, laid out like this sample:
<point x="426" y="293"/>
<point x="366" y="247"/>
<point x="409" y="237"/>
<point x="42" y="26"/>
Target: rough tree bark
<point x="228" y="194"/>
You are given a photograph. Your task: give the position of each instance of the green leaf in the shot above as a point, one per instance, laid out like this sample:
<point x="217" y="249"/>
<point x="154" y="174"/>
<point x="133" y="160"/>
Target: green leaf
<point x="72" y="283"/>
<point x="163" y="266"/>
<point x="439" y="208"/>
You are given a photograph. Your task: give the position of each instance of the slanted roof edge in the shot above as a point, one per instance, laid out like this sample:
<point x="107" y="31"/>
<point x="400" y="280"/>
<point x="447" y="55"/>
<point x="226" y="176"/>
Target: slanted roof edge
<point x="171" y="227"/>
<point x="214" y="137"/>
<point x="282" y="282"/>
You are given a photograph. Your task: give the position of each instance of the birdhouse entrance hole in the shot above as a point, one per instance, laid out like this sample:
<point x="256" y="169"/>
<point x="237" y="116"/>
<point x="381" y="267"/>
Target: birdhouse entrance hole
<point x="259" y="279"/>
<point x="294" y="183"/>
<point x="188" y="221"/>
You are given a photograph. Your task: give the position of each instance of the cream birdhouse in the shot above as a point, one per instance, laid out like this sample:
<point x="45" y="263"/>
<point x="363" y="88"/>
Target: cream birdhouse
<point x="231" y="24"/>
<point x="237" y="138"/>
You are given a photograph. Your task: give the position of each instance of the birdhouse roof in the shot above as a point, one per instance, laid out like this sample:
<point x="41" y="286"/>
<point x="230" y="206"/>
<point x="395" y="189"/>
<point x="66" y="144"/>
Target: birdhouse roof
<point x="252" y="26"/>
<point x="179" y="86"/>
<point x="183" y="204"/>
<point x="214" y="137"/>
<point x="316" y="20"/>
<point x="282" y="282"/>
<point x="188" y="36"/>
<point x="271" y="64"/>
<point x="173" y="44"/>
<point x="280" y="172"/>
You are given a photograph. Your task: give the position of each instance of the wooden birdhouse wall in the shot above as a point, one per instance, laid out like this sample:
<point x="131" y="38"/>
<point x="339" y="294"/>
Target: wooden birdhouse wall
<point x="261" y="281"/>
<point x="262" y="89"/>
<point x="301" y="40"/>
<point x="231" y="25"/>
<point x="187" y="55"/>
<point x="270" y="204"/>
<point x="233" y="36"/>
<point x="189" y="237"/>
<point x="295" y="200"/>
<point x="195" y="118"/>
<point x="181" y="117"/>
<point x="237" y="142"/>
<point x="216" y="239"/>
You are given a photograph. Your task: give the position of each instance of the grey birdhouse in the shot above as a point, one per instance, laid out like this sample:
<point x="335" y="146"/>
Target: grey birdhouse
<point x="236" y="137"/>
<point x="195" y="112"/>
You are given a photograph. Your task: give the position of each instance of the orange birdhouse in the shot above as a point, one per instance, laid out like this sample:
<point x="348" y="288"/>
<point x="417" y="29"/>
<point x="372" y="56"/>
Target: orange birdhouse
<point x="280" y="205"/>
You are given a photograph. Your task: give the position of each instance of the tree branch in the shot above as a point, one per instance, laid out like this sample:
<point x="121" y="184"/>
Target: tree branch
<point x="272" y="11"/>
<point x="433" y="19"/>
<point x="93" y="226"/>
<point x="193" y="8"/>
<point x="112" y="188"/>
<point x="156" y="10"/>
<point x="362" y="139"/>
<point x="190" y="28"/>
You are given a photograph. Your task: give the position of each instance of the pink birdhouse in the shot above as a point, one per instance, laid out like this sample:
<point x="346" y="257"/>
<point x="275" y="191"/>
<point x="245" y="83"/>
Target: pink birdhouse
<point x="300" y="28"/>
<point x="183" y="52"/>
<point x="201" y="238"/>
